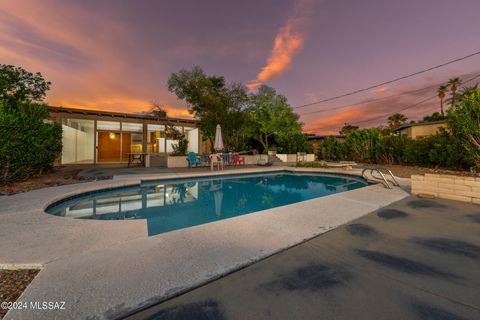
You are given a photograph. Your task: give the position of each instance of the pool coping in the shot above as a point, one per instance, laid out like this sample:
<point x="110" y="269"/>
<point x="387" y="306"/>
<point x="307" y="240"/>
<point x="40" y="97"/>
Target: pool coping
<point x="123" y="185"/>
<point x="172" y="262"/>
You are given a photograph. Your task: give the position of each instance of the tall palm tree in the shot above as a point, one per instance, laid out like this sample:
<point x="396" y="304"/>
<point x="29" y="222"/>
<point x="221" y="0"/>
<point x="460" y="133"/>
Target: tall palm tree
<point x="442" y="90"/>
<point x="454" y="83"/>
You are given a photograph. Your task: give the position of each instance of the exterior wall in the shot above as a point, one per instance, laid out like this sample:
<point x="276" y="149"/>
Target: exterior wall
<point x="293" y="157"/>
<point x="419" y="132"/>
<point x="422" y="131"/>
<point x="177" y="162"/>
<point x="253" y="159"/>
<point x="181" y="161"/>
<point x="407" y="132"/>
<point x="465" y="189"/>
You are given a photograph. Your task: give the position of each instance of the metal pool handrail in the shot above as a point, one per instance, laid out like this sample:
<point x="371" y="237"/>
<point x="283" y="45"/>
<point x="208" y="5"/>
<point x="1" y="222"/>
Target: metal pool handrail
<point x="379" y="170"/>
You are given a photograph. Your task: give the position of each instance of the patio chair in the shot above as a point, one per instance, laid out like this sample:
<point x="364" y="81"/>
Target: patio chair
<point x="206" y="160"/>
<point x="216" y="159"/>
<point x="227" y="159"/>
<point x="237" y="160"/>
<point x="193" y="160"/>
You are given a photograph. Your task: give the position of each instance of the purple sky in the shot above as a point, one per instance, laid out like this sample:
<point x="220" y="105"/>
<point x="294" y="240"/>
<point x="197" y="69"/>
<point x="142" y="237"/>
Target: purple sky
<point x="118" y="55"/>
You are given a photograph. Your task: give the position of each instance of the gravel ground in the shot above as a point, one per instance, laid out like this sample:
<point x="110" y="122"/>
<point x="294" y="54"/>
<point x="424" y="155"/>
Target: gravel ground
<point x="407" y="171"/>
<point x="13" y="283"/>
<point x="58" y="177"/>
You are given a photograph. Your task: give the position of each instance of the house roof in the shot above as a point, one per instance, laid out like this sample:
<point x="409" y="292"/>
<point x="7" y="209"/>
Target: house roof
<point x="323" y="136"/>
<point x="140" y="116"/>
<point x="418" y="124"/>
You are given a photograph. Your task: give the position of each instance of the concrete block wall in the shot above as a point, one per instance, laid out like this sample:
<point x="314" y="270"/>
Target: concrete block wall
<point x="452" y="187"/>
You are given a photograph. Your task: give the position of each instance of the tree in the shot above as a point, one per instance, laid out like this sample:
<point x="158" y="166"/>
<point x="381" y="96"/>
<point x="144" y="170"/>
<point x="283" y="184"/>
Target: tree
<point x="158" y="111"/>
<point x="17" y="84"/>
<point x="396" y="120"/>
<point x="29" y="144"/>
<point x="213" y="102"/>
<point x="272" y="117"/>
<point x="433" y="117"/>
<point x="465" y="91"/>
<point x="454" y="83"/>
<point x="442" y="90"/>
<point x="347" y="128"/>
<point x="464" y="122"/>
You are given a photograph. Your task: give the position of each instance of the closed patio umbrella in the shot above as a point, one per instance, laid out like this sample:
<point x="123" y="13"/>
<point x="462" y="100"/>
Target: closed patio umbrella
<point x="218" y="146"/>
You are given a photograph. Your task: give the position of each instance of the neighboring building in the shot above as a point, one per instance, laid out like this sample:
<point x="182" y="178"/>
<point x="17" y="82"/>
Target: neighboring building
<point x="420" y="130"/>
<point x="316" y="140"/>
<point x="101" y="137"/>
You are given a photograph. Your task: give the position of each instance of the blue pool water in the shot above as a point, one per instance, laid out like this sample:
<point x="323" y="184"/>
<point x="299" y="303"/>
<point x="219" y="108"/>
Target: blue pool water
<point x="175" y="204"/>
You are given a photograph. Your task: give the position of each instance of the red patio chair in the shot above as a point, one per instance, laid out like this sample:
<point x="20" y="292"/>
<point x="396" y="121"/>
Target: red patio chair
<point x="237" y="160"/>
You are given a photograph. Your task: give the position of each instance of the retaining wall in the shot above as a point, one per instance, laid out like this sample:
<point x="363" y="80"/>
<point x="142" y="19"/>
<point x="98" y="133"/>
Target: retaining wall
<point x="460" y="188"/>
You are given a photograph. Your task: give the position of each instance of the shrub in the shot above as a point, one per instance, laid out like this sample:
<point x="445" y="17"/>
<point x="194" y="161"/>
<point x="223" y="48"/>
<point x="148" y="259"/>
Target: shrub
<point x="28" y="143"/>
<point x="371" y="146"/>
<point x="464" y="121"/>
<point x="181" y="148"/>
<point x="313" y="164"/>
<point x="330" y="149"/>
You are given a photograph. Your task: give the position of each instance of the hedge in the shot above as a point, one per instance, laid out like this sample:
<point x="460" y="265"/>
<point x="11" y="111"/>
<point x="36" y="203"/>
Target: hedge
<point x="28" y="143"/>
<point x="371" y="146"/>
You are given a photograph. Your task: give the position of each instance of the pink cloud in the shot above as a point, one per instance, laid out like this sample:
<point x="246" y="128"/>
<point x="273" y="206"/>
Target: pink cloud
<point x="288" y="42"/>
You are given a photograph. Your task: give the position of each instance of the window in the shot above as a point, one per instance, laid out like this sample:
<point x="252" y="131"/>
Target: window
<point x="108" y="125"/>
<point x="132" y="127"/>
<point x="155" y="138"/>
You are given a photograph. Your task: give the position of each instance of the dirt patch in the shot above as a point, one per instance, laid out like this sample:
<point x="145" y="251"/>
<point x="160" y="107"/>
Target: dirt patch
<point x="58" y="177"/>
<point x="407" y="171"/>
<point x="13" y="283"/>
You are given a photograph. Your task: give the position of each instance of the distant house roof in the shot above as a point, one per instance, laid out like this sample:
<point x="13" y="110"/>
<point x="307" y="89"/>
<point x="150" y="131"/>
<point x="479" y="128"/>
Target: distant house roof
<point x="323" y="136"/>
<point x="417" y="124"/>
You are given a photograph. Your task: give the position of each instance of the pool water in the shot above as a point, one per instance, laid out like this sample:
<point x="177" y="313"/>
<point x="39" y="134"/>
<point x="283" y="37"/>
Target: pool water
<point x="175" y="204"/>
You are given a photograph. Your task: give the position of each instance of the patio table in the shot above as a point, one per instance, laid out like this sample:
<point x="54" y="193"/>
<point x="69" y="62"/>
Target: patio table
<point x="135" y="156"/>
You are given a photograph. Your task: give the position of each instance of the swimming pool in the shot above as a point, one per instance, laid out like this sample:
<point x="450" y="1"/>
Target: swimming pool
<point x="179" y="203"/>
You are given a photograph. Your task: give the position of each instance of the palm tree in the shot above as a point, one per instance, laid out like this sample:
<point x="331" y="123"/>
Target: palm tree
<point x="396" y="120"/>
<point x="467" y="90"/>
<point x="454" y="83"/>
<point x="442" y="90"/>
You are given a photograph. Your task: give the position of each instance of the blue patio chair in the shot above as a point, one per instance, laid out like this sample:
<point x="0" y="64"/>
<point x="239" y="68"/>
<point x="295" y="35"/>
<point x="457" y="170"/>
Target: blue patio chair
<point x="193" y="160"/>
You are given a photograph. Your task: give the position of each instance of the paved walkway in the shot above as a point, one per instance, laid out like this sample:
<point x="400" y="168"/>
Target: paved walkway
<point x="415" y="259"/>
<point x="107" y="269"/>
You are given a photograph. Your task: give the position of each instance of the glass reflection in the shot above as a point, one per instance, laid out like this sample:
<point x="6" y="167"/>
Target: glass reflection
<point x="178" y="204"/>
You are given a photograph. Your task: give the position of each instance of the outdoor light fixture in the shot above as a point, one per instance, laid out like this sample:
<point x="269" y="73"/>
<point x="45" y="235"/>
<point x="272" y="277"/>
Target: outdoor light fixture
<point x="112" y="135"/>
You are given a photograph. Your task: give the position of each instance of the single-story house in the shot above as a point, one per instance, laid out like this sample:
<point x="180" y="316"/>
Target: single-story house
<point x="420" y="130"/>
<point x="101" y="137"/>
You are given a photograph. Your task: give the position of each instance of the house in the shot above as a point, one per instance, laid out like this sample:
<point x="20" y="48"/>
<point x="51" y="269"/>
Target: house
<point x="420" y="130"/>
<point x="101" y="137"/>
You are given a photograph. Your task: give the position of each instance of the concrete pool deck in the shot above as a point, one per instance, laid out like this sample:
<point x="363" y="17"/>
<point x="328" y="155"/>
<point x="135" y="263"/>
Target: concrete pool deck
<point x="415" y="259"/>
<point x="106" y="269"/>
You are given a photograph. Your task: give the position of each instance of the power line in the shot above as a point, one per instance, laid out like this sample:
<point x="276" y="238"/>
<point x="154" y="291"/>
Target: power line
<point x="389" y="81"/>
<point x="399" y="110"/>
<point x="378" y="99"/>
<point x="362" y="102"/>
<point x="386" y="114"/>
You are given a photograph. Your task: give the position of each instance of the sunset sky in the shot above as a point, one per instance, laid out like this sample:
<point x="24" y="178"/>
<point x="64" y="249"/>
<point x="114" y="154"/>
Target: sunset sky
<point x="117" y="55"/>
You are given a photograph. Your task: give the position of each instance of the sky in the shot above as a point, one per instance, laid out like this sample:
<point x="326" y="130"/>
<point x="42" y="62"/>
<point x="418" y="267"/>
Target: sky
<point x="118" y="55"/>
